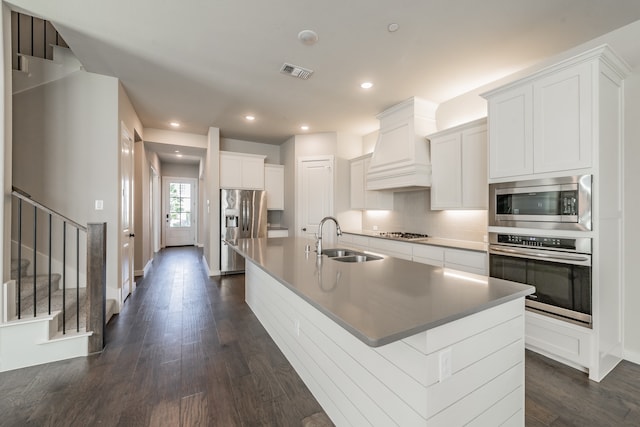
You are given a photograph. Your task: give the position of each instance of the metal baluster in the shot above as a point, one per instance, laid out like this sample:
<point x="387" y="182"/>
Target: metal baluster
<point x="35" y="258"/>
<point x="50" y="254"/>
<point x="77" y="280"/>
<point x="19" y="259"/>
<point x="64" y="276"/>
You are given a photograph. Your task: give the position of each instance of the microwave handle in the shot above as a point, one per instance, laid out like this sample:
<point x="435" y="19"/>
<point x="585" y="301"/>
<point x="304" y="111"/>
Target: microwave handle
<point x="529" y="253"/>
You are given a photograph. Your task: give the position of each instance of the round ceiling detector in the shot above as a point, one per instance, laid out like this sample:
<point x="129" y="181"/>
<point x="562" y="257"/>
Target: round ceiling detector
<point x="308" y="37"/>
<point x="393" y="27"/>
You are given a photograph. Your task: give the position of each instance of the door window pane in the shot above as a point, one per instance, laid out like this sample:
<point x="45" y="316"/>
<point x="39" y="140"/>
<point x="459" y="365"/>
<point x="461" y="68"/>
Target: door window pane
<point x="179" y="205"/>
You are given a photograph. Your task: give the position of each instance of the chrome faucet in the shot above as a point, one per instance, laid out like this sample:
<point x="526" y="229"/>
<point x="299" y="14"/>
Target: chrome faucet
<point x="319" y="235"/>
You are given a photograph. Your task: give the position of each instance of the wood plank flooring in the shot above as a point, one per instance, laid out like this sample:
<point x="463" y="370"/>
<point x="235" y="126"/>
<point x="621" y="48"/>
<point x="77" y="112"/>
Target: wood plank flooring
<point x="187" y="351"/>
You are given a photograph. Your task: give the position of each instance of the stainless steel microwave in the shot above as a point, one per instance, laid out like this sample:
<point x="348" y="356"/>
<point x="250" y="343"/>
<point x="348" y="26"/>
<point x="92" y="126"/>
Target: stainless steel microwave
<point x="552" y="203"/>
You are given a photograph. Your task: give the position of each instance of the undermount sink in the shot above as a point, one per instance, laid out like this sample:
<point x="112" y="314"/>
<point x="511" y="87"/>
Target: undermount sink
<point x="357" y="258"/>
<point x="336" y="252"/>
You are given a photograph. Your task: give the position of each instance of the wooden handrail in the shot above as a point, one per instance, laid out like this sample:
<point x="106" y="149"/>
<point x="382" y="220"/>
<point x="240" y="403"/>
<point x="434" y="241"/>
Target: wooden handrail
<point x="23" y="195"/>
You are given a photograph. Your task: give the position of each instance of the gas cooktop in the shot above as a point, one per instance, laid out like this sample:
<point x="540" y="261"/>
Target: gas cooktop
<point x="400" y="235"/>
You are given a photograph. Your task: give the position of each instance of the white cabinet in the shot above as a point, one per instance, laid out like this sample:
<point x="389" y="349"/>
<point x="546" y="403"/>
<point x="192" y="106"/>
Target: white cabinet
<point x="362" y="198"/>
<point x="392" y="248"/>
<point x="562" y="111"/>
<point x="274" y="184"/>
<point x="241" y="171"/>
<point x="470" y="261"/>
<point x="511" y="132"/>
<point x="432" y="255"/>
<point x="278" y="233"/>
<point x="459" y="165"/>
<point x="357" y="183"/>
<point x="548" y="122"/>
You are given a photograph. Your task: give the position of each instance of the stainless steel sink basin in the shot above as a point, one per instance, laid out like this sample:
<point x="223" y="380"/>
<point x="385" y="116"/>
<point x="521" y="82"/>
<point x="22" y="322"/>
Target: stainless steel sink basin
<point x="357" y="258"/>
<point x="338" y="252"/>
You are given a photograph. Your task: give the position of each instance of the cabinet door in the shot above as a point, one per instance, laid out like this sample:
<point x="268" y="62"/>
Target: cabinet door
<point x="446" y="181"/>
<point x="562" y="111"/>
<point x="475" y="187"/>
<point x="357" y="184"/>
<point x="376" y="199"/>
<point x="230" y="171"/>
<point x="253" y="173"/>
<point x="274" y="184"/>
<point x="511" y="133"/>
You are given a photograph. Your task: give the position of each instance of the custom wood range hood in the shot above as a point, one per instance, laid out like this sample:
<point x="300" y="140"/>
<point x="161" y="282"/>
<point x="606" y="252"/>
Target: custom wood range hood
<point x="401" y="159"/>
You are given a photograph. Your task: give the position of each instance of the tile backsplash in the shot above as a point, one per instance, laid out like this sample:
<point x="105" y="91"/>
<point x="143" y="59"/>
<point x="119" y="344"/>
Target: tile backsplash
<point x="412" y="213"/>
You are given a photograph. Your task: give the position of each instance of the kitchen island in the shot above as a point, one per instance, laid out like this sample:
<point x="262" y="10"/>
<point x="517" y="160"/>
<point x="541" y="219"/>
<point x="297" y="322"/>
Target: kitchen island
<point x="392" y="342"/>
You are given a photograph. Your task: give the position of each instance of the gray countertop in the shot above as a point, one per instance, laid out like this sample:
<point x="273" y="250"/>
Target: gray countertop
<point x="380" y="301"/>
<point x="433" y="241"/>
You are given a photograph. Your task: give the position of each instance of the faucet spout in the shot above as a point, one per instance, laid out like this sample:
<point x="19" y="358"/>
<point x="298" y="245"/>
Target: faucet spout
<point x="319" y="241"/>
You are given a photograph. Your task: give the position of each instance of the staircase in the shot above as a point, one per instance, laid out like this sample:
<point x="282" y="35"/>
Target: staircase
<point x="74" y="315"/>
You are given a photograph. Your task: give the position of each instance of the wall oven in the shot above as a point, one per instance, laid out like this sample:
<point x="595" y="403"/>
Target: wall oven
<point x="553" y="203"/>
<point x="559" y="268"/>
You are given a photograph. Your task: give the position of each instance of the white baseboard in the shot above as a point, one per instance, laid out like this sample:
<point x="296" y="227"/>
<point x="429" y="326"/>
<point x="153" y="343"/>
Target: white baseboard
<point x="632" y="356"/>
<point x="206" y="265"/>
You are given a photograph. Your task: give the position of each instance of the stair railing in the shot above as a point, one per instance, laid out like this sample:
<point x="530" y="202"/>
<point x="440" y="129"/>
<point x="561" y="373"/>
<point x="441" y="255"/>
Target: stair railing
<point x="95" y="237"/>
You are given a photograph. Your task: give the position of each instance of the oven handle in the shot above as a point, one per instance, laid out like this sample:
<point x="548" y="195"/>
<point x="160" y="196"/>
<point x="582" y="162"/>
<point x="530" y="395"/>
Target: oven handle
<point x="528" y="253"/>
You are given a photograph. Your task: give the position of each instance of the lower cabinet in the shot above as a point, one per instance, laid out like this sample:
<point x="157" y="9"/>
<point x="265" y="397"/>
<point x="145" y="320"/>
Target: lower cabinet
<point x="439" y="256"/>
<point x="558" y="339"/>
<point x="277" y="233"/>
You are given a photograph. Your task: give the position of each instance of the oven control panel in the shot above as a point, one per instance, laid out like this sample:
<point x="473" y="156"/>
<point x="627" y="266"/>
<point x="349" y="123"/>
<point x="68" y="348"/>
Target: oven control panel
<point x="578" y="244"/>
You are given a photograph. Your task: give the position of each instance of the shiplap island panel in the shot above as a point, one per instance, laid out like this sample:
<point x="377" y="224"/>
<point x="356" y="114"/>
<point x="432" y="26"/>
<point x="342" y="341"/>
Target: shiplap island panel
<point x="392" y="342"/>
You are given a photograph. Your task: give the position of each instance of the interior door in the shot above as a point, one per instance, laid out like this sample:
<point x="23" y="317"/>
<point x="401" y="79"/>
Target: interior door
<point x="180" y="197"/>
<point x="315" y="196"/>
<point x="126" y="213"/>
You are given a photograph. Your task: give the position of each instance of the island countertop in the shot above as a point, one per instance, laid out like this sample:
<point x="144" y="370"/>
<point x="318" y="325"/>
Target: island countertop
<point x="379" y="301"/>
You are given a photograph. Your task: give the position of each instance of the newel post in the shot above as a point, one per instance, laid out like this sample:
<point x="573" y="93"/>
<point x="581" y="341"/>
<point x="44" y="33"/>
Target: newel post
<point x="96" y="284"/>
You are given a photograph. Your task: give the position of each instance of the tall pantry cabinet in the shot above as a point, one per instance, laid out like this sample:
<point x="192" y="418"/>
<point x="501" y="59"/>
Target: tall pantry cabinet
<point x="567" y="120"/>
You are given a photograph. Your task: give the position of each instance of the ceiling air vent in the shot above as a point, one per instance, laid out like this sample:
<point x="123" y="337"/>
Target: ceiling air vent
<point x="296" y="71"/>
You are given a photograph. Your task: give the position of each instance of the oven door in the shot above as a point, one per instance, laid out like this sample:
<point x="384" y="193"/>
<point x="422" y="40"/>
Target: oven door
<point x="562" y="280"/>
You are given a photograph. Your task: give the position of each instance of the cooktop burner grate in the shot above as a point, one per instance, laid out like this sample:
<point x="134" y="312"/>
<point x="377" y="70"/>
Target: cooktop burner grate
<point x="402" y="235"/>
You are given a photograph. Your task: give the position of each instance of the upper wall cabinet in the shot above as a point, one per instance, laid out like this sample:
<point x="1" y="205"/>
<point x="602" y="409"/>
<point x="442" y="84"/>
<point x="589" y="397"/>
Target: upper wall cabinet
<point x="362" y="198"/>
<point x="548" y="122"/>
<point x="459" y="167"/>
<point x="241" y="171"/>
<point x="274" y="184"/>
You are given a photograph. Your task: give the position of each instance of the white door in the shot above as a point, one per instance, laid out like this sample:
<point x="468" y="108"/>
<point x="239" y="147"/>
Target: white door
<point x="180" y="195"/>
<point x="126" y="213"/>
<point x="315" y="196"/>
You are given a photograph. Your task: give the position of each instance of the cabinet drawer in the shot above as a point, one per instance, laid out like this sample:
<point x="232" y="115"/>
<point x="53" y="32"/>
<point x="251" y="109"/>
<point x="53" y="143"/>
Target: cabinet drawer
<point x="389" y="247"/>
<point x="435" y="253"/>
<point x="474" y="260"/>
<point x="277" y="233"/>
<point x="360" y="241"/>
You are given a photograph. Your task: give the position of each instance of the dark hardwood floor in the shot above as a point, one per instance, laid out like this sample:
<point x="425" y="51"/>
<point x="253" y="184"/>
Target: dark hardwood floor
<point x="187" y="351"/>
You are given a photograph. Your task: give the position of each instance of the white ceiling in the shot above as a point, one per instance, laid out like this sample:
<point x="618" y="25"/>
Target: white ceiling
<point x="211" y="62"/>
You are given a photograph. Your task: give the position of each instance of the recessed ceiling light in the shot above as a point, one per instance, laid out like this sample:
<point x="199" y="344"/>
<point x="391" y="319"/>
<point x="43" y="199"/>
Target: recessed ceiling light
<point x="178" y="155"/>
<point x="393" y="27"/>
<point x="177" y="151"/>
<point x="308" y="37"/>
<point x="304" y="127"/>
<point x="175" y="124"/>
<point x="366" y="85"/>
<point x="250" y="118"/>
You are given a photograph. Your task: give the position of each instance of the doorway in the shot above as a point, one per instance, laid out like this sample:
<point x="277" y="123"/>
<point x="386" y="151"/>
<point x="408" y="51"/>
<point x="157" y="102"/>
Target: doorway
<point x="126" y="213"/>
<point x="315" y="195"/>
<point x="180" y="209"/>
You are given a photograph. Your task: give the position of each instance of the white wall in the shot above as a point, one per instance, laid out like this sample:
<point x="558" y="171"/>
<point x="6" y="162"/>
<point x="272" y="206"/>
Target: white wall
<point x="288" y="159"/>
<point x="239" y="146"/>
<point x="6" y="150"/>
<point x="68" y="131"/>
<point x="210" y="206"/>
<point x="631" y="223"/>
<point x="180" y="170"/>
<point x="141" y="242"/>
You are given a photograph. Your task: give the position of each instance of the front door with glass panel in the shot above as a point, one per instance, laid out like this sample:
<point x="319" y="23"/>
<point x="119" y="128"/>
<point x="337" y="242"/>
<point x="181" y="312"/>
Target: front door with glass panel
<point x="180" y="196"/>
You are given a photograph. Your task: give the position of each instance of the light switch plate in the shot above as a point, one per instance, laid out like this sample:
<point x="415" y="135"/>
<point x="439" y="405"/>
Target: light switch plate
<point x="99" y="205"/>
<point x="445" y="364"/>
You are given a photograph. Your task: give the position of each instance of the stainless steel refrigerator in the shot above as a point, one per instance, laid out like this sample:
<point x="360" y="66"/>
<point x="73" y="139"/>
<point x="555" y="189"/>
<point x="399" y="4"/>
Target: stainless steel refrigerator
<point x="243" y="214"/>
